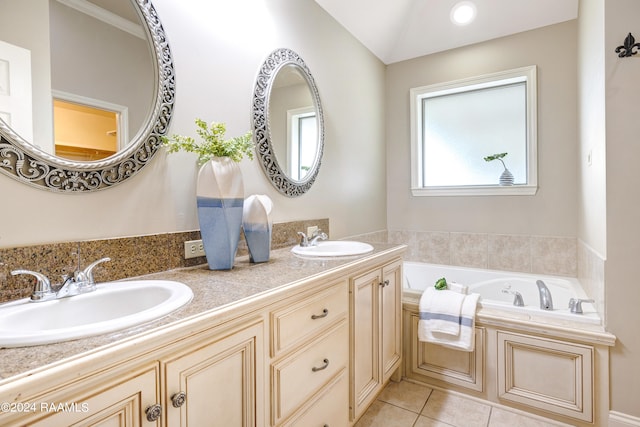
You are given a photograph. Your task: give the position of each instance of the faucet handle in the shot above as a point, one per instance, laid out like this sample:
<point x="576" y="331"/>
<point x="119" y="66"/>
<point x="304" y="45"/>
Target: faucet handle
<point x="575" y="304"/>
<point x="42" y="289"/>
<point x="304" y="241"/>
<point x="86" y="275"/>
<point x="517" y="296"/>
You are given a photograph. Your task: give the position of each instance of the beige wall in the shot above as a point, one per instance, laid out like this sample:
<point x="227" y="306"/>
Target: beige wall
<point x="622" y="204"/>
<point x="591" y="105"/>
<point x="552" y="211"/>
<point x="218" y="48"/>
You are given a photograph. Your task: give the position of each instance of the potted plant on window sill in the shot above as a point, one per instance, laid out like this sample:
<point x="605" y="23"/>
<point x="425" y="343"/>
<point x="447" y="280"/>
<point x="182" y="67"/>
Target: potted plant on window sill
<point x="219" y="189"/>
<point x="506" y="178"/>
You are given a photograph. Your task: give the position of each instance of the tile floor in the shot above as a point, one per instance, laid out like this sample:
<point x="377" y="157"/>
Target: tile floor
<point x="406" y="404"/>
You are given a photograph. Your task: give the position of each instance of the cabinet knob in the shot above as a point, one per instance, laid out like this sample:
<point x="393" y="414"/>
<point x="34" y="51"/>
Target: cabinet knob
<point x="325" y="312"/>
<point x="326" y="363"/>
<point x="385" y="283"/>
<point x="153" y="412"/>
<point x="178" y="399"/>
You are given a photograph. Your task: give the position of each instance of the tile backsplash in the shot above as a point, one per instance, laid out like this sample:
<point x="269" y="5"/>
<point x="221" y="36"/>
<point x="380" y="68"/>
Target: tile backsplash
<point x="140" y="255"/>
<point x="130" y="256"/>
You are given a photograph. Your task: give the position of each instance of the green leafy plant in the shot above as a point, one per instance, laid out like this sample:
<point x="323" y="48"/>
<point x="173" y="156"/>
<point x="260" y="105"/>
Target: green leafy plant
<point x="498" y="156"/>
<point x="213" y="143"/>
<point x="441" y="284"/>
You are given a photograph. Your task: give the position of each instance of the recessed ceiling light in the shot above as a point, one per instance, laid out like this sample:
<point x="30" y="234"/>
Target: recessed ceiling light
<point x="463" y="13"/>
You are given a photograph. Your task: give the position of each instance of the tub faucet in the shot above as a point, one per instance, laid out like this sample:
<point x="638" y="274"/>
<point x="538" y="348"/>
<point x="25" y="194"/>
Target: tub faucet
<point x="517" y="296"/>
<point x="546" y="302"/>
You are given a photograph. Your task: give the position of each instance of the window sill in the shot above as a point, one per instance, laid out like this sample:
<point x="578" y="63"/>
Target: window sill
<point x="476" y="190"/>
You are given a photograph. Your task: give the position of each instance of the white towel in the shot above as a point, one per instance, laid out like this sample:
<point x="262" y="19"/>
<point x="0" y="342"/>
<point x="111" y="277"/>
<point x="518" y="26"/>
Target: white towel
<point x="440" y="310"/>
<point x="465" y="340"/>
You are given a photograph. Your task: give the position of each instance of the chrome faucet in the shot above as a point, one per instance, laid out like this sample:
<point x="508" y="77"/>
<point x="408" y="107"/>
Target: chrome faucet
<point x="80" y="282"/>
<point x="546" y="302"/>
<point x="317" y="235"/>
<point x="517" y="296"/>
<point x="575" y="304"/>
<point x="42" y="289"/>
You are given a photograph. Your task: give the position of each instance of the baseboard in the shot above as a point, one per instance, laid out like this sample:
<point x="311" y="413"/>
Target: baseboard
<point x="618" y="419"/>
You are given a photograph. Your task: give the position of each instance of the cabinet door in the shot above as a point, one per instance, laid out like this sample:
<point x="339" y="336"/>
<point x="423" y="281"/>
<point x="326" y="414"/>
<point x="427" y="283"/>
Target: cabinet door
<point x="220" y="383"/>
<point x="121" y="403"/>
<point x="365" y="340"/>
<point x="547" y="374"/>
<point x="391" y="318"/>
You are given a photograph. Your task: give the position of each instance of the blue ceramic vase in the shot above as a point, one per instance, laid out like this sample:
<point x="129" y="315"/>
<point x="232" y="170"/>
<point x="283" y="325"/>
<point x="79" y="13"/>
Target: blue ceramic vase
<point x="220" y="197"/>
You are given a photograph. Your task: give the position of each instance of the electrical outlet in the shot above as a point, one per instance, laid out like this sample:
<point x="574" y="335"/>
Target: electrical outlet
<point x="193" y="249"/>
<point x="312" y="230"/>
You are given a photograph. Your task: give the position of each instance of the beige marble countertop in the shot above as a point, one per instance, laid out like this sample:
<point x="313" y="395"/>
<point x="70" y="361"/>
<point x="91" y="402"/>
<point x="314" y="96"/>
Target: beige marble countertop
<point x="213" y="290"/>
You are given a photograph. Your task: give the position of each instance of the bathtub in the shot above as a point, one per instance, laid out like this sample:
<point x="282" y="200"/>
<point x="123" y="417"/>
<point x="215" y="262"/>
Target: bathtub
<point x="491" y="283"/>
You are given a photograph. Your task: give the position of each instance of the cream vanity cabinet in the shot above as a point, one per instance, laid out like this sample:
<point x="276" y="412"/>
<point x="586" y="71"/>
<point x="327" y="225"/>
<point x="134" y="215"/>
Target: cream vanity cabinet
<point x="110" y="399"/>
<point x="310" y="358"/>
<point x="314" y="352"/>
<point x="376" y="341"/>
<point x="219" y="382"/>
<point x="213" y="376"/>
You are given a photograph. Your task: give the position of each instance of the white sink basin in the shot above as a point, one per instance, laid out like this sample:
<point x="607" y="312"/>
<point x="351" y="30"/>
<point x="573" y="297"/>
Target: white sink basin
<point x="112" y="306"/>
<point x="333" y="248"/>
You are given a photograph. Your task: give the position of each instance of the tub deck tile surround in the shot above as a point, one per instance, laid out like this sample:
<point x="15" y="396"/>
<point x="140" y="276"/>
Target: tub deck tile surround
<point x="130" y="256"/>
<point x="557" y="256"/>
<point x="212" y="290"/>
<point x="509" y="252"/>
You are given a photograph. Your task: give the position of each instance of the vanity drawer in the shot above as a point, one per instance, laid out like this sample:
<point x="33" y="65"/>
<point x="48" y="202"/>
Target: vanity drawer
<point x="297" y="377"/>
<point x="296" y="323"/>
<point x="330" y="407"/>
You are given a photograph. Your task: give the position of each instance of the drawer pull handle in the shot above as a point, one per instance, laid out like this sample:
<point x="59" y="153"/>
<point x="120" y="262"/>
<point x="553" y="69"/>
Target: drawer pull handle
<point x="153" y="412"/>
<point x="385" y="283"/>
<point x="326" y="363"/>
<point x="178" y="399"/>
<point x="325" y="312"/>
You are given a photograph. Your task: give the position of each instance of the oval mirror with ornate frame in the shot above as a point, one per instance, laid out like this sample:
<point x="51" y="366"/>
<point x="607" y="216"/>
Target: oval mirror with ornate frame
<point x="288" y="123"/>
<point x="27" y="163"/>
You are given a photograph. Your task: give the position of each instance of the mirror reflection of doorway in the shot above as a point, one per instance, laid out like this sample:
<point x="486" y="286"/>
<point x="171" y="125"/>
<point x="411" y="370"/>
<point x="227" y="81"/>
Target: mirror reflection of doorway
<point x="85" y="132"/>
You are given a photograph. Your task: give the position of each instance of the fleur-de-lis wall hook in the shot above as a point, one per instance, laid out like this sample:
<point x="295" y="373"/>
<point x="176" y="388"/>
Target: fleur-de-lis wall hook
<point x="628" y="48"/>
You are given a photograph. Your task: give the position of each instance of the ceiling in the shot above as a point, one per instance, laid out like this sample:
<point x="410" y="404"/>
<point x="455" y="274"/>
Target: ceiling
<point x="396" y="30"/>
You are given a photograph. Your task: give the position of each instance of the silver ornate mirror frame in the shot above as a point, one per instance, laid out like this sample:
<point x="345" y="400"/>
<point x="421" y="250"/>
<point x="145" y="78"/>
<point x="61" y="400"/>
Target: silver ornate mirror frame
<point x="278" y="59"/>
<point x="26" y="163"/>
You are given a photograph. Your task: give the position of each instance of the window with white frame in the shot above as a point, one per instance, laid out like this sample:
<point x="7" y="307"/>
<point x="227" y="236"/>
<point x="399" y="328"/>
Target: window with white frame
<point x="303" y="141"/>
<point x="456" y="125"/>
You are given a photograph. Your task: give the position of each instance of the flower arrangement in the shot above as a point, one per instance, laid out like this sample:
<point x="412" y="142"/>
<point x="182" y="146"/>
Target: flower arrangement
<point x="213" y="143"/>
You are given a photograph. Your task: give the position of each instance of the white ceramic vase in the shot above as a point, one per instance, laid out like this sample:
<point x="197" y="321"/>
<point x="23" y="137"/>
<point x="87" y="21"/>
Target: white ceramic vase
<point x="506" y="178"/>
<point x="257" y="226"/>
<point x="220" y="198"/>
